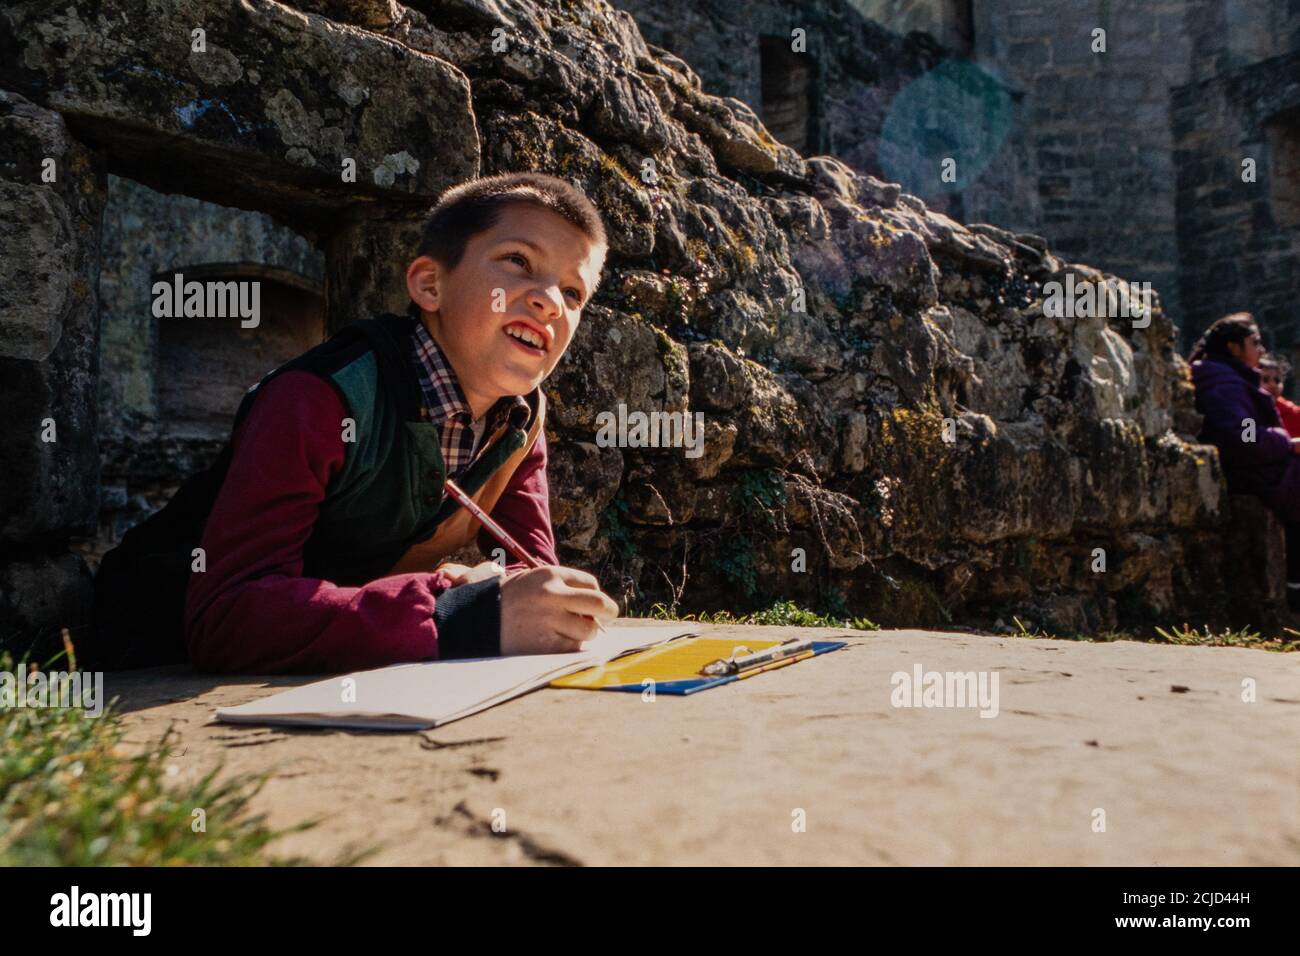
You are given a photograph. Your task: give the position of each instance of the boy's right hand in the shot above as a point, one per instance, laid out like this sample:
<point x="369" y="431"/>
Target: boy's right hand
<point x="550" y="610"/>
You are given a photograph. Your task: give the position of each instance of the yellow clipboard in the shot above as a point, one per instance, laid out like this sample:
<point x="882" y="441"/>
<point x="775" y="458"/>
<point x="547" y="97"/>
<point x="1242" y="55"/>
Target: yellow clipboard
<point x="675" y="661"/>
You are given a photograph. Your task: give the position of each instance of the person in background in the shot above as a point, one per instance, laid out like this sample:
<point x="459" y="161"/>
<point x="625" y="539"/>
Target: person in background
<point x="1241" y="419"/>
<point x="1272" y="376"/>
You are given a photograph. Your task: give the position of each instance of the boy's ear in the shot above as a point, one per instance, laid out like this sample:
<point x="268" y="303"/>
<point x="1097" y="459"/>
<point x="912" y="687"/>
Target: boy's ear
<point x="596" y="271"/>
<point x="422" y="278"/>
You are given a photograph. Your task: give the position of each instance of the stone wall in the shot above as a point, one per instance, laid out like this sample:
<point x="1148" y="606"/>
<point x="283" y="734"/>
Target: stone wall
<point x="1130" y="148"/>
<point x="948" y="21"/>
<point x="1096" y="138"/>
<point x="893" y="426"/>
<point x="49" y="327"/>
<point x="1080" y="149"/>
<point x="857" y="68"/>
<point x="1239" y="241"/>
<point x="1050" y="137"/>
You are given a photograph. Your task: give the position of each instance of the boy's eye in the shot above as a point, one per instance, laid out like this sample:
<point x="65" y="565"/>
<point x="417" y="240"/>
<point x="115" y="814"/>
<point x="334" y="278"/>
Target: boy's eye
<point x="517" y="258"/>
<point x="573" y="294"/>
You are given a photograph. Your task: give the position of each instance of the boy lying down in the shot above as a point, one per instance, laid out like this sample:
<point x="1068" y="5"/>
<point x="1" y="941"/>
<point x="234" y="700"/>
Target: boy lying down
<point x="324" y="525"/>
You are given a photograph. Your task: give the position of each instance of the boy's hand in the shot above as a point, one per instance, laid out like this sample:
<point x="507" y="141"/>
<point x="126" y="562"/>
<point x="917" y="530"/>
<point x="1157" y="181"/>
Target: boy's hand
<point x="463" y="574"/>
<point x="550" y="610"/>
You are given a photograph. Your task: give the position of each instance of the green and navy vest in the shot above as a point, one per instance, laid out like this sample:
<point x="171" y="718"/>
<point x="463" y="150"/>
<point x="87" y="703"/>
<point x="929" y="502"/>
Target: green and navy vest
<point x="384" y="512"/>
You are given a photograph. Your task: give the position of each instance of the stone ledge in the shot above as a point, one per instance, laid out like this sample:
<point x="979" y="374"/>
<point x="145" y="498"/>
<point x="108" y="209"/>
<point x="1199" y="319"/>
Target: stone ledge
<point x="1186" y="778"/>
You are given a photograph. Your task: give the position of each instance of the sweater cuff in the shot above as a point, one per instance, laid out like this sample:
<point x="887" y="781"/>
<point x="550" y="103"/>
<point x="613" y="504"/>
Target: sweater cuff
<point x="468" y="620"/>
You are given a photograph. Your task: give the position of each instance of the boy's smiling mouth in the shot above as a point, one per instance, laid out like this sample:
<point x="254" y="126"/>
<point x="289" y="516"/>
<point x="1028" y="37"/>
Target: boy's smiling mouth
<point x="527" y="336"/>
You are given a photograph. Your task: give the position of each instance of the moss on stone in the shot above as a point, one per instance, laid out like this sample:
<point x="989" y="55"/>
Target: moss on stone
<point x="742" y="251"/>
<point x="613" y="167"/>
<point x="676" y="361"/>
<point x="765" y="138"/>
<point x="699" y="250"/>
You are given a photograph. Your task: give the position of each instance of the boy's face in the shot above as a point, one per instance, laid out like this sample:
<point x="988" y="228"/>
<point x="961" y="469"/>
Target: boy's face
<point x="1271" y="379"/>
<point x="529" y="275"/>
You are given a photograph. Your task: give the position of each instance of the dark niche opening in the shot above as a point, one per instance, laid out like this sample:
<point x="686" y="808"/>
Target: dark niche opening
<point x="959" y="26"/>
<point x="787" y="91"/>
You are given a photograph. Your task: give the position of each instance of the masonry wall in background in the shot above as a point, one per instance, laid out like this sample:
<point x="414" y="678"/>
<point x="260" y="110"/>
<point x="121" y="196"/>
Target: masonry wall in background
<point x="1081" y="147"/>
<point x="1131" y="152"/>
<point x="1095" y="140"/>
<point x="1239" y="241"/>
<point x="853" y="68"/>
<point x="951" y="22"/>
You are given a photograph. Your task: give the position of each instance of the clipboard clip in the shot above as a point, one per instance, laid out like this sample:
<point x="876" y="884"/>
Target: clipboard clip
<point x="734" y="663"/>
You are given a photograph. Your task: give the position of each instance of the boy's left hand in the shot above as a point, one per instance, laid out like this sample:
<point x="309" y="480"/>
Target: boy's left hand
<point x="463" y="574"/>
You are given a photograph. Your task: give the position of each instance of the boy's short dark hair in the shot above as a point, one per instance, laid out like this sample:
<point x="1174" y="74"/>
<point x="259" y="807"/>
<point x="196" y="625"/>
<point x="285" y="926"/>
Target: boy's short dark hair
<point x="475" y="206"/>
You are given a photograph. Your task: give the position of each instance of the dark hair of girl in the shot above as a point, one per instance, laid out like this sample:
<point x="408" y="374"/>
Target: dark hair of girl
<point x="1231" y="328"/>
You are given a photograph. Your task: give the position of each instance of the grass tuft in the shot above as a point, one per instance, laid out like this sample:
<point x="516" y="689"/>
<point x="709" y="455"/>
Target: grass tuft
<point x="72" y="795"/>
<point x="1186" y="635"/>
<point x="781" y="614"/>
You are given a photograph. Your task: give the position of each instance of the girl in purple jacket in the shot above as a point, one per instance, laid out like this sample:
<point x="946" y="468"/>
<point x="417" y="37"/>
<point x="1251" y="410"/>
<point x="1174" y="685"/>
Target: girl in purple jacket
<point x="1241" y="419"/>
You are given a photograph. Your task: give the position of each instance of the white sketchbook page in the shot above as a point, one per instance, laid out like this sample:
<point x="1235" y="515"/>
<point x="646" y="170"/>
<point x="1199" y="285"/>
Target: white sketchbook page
<point x="428" y="694"/>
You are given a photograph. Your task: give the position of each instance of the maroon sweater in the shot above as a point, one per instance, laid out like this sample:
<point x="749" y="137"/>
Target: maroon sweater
<point x="252" y="611"/>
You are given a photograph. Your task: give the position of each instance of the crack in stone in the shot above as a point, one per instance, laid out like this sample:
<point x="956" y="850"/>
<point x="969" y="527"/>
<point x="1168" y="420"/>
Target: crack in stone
<point x="532" y="849"/>
<point x="428" y="743"/>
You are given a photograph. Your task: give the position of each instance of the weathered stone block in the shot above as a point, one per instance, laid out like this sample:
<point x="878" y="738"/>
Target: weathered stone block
<point x="583" y="478"/>
<point x="44" y="232"/>
<point x="49" y="322"/>
<point x="39" y="596"/>
<point x="263" y="116"/>
<point x="616" y="359"/>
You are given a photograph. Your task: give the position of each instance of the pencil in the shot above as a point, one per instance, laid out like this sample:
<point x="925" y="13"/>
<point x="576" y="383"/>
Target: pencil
<point x="494" y="529"/>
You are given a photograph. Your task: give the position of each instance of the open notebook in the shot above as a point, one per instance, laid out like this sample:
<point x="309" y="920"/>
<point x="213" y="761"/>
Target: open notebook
<point x="420" y="696"/>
